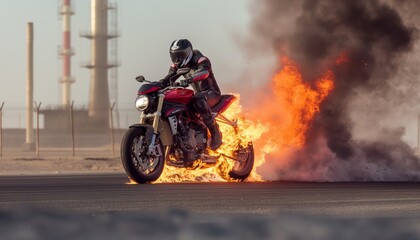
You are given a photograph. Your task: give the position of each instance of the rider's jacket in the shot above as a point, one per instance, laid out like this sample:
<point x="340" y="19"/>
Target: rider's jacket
<point x="201" y="74"/>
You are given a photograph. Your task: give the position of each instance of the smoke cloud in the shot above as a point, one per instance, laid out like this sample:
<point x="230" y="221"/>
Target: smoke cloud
<point x="359" y="132"/>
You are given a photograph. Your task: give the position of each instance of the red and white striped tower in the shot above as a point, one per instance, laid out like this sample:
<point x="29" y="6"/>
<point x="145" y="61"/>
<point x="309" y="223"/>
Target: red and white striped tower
<point x="66" y="52"/>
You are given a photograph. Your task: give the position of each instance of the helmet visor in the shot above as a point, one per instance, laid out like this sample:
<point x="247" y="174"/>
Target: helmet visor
<point x="179" y="56"/>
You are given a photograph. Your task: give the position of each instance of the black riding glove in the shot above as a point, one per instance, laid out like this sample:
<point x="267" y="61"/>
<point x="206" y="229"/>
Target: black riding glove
<point x="185" y="82"/>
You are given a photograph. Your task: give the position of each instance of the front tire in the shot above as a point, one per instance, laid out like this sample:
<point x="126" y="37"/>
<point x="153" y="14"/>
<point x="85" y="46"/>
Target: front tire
<point x="139" y="166"/>
<point x="244" y="162"/>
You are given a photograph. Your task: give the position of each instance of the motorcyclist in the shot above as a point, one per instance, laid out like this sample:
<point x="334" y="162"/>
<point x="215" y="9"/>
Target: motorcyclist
<point x="207" y="92"/>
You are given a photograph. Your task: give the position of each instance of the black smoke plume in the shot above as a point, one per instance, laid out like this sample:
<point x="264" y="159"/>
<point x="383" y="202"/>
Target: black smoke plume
<point x="356" y="136"/>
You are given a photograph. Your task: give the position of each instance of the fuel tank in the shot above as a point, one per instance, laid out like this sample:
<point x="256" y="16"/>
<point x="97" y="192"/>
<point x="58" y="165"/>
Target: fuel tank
<point x="179" y="95"/>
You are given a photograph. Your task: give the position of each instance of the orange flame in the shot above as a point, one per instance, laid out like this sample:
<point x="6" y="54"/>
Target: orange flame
<point x="289" y="111"/>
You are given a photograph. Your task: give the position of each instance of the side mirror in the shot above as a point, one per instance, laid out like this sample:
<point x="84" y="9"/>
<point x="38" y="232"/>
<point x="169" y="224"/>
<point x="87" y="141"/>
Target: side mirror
<point x="182" y="71"/>
<point x="140" y="79"/>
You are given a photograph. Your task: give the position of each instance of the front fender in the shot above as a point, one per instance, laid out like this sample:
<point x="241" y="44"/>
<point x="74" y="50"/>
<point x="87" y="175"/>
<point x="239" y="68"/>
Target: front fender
<point x="164" y="130"/>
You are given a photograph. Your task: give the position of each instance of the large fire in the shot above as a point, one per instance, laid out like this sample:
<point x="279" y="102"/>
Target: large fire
<point x="276" y="127"/>
<point x="287" y="112"/>
<point x="248" y="131"/>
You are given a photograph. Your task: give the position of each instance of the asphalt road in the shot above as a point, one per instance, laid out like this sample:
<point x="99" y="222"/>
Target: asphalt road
<point x="111" y="193"/>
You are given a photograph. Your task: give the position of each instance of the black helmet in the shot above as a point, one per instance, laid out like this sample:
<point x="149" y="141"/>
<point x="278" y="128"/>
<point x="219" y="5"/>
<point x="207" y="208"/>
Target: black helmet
<point x="181" y="52"/>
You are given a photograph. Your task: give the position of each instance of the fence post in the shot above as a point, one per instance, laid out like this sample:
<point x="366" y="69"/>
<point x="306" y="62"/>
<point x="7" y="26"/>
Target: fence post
<point x="37" y="106"/>
<point x="72" y="126"/>
<point x="1" y="129"/>
<point x="418" y="135"/>
<point x="112" y="128"/>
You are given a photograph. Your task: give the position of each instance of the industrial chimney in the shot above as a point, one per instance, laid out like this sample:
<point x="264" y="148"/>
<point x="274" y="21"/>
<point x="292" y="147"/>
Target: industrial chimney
<point x="29" y="143"/>
<point x="96" y="117"/>
<point x="66" y="52"/>
<point x="99" y="102"/>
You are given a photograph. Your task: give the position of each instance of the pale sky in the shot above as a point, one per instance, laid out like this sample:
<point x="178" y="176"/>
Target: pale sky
<point x="147" y="28"/>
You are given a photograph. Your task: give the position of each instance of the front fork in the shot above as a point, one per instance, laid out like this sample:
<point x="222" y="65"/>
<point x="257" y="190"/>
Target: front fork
<point x="156" y="119"/>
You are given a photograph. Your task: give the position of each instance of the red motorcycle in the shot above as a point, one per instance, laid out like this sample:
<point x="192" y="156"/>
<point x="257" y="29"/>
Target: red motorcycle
<point x="171" y="132"/>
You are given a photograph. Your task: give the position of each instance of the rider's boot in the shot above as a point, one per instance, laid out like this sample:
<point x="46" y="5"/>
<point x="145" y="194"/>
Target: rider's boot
<point x="216" y="135"/>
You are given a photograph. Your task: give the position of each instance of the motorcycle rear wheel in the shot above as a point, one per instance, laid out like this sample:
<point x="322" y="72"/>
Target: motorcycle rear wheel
<point x="138" y="166"/>
<point x="244" y="162"/>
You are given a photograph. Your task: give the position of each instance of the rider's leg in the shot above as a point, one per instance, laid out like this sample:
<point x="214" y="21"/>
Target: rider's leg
<point x="201" y="106"/>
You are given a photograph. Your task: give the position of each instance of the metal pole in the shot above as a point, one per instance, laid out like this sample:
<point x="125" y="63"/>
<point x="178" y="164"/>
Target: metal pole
<point x="37" y="106"/>
<point x="72" y="126"/>
<point x="112" y="129"/>
<point x="1" y="129"/>
<point x="418" y="135"/>
<point x="29" y="85"/>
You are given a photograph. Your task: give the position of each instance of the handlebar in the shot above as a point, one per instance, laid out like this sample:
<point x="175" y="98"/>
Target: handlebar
<point x="172" y="80"/>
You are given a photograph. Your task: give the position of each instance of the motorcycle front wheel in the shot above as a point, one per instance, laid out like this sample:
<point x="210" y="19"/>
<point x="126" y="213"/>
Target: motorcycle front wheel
<point x="244" y="162"/>
<point x="140" y="166"/>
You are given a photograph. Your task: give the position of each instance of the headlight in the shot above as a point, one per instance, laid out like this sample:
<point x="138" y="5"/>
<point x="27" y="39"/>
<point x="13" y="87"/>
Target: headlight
<point x="142" y="102"/>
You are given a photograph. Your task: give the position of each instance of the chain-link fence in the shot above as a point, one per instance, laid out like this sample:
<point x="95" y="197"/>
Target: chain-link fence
<point x="74" y="138"/>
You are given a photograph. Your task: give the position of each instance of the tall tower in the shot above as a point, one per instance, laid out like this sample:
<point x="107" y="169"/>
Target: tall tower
<point x="99" y="103"/>
<point x="66" y="52"/>
<point x="113" y="51"/>
<point x="29" y="144"/>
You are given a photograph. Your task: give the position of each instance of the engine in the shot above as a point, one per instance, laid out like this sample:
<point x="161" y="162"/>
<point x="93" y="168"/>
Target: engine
<point x="191" y="142"/>
<point x="195" y="139"/>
